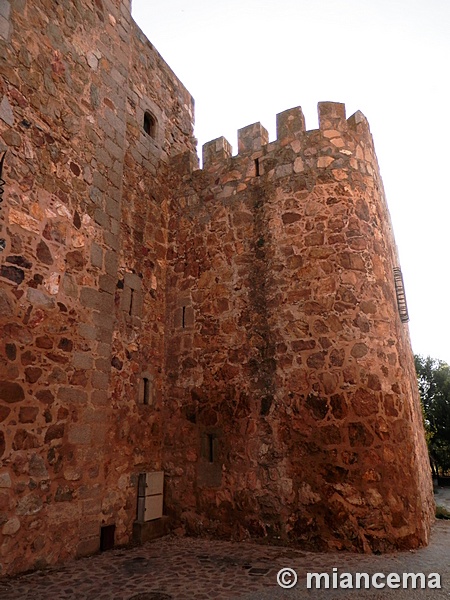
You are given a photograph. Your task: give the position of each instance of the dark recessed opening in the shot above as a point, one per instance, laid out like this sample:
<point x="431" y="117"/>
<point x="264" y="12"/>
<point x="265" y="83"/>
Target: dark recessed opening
<point x="130" y="310"/>
<point x="183" y="319"/>
<point x="149" y="124"/>
<point x="107" y="537"/>
<point x="146" y="390"/>
<point x="210" y="448"/>
<point x="142" y="485"/>
<point x="257" y="167"/>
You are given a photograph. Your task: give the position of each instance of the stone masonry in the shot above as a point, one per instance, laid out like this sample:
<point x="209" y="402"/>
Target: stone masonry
<point x="235" y="326"/>
<point x="292" y="356"/>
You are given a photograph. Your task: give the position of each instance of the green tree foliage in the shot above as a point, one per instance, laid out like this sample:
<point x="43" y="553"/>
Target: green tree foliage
<point x="433" y="376"/>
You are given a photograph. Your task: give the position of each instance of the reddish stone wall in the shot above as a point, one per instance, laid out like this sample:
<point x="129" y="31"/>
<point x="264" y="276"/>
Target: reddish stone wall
<point x="289" y="368"/>
<point x="82" y="296"/>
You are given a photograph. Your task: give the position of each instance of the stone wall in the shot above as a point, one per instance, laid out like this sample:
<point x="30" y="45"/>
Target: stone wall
<point x="290" y="370"/>
<point x="83" y="272"/>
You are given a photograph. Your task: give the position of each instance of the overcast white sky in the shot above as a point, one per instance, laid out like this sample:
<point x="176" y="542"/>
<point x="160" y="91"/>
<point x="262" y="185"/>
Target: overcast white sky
<point x="247" y="60"/>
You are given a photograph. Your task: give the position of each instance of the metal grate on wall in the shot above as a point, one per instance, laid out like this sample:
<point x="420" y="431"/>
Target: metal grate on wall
<point x="401" y="297"/>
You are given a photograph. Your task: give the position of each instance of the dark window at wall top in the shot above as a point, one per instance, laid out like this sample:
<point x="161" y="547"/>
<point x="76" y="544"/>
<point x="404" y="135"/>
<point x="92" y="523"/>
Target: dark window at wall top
<point x="149" y="124"/>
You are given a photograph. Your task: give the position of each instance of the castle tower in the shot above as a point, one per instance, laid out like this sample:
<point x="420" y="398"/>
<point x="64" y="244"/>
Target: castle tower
<point x="84" y="220"/>
<point x="235" y="327"/>
<point x="293" y="377"/>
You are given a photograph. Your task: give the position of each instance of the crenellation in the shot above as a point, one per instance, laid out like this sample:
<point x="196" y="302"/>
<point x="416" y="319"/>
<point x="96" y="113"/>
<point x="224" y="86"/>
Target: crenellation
<point x="332" y="116"/>
<point x="290" y="124"/>
<point x="333" y="143"/>
<point x="358" y="121"/>
<point x="252" y="138"/>
<point x="217" y="150"/>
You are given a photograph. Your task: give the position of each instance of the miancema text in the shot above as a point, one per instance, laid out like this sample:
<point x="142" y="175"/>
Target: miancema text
<point x="377" y="580"/>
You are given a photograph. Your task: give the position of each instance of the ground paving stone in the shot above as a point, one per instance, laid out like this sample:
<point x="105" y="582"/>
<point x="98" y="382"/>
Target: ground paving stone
<point x="186" y="568"/>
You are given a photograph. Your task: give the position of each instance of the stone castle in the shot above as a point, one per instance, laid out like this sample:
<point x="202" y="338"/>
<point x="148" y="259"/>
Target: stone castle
<point x="213" y="351"/>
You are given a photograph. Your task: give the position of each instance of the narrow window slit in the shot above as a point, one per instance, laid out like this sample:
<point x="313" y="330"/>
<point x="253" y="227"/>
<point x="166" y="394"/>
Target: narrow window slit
<point x="131" y="302"/>
<point x="183" y="319"/>
<point x="257" y="167"/>
<point x="149" y="124"/>
<point x="210" y="447"/>
<point x="146" y="390"/>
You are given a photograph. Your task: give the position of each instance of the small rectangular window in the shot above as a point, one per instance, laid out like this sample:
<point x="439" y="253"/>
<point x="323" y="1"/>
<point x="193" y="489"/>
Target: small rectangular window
<point x="149" y="124"/>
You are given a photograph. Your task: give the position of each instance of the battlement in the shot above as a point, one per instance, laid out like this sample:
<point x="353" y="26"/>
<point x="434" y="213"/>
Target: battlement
<point x="290" y="127"/>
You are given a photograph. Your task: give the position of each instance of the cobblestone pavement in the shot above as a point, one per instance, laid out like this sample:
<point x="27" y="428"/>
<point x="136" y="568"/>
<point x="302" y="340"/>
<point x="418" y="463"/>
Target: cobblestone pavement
<point x="194" y="569"/>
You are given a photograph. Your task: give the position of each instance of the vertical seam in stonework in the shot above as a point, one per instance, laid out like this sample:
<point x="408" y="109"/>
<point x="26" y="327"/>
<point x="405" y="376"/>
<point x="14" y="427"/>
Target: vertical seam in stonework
<point x="265" y="367"/>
